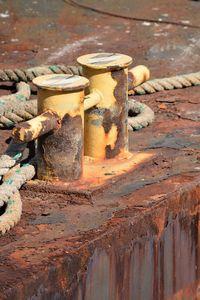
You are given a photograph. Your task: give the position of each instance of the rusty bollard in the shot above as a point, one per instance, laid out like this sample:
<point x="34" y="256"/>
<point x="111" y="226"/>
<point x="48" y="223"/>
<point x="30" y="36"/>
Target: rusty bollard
<point x="59" y="127"/>
<point x="106" y="133"/>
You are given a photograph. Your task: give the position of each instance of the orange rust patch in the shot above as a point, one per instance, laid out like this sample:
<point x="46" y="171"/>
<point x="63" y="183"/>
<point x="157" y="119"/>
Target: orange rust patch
<point x="19" y="256"/>
<point x="98" y="172"/>
<point x="42" y="227"/>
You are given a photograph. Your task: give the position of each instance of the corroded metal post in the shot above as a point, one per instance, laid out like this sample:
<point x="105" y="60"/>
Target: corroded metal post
<point x="60" y="152"/>
<point x="59" y="127"/>
<point x="106" y="133"/>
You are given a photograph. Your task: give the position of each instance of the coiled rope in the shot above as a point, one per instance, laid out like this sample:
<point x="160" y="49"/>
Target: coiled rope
<point x="14" y="108"/>
<point x="13" y="111"/>
<point x="12" y="156"/>
<point x="140" y="115"/>
<point x="15" y="177"/>
<point x="12" y="213"/>
<point x="17" y="112"/>
<point x="176" y="82"/>
<point x="10" y="196"/>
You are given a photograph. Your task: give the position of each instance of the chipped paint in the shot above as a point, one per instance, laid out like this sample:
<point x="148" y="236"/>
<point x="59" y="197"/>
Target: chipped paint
<point x="105" y="128"/>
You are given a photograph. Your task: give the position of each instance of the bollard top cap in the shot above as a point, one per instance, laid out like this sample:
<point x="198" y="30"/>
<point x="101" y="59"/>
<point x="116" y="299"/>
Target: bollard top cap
<point x="61" y="82"/>
<point x="105" y="61"/>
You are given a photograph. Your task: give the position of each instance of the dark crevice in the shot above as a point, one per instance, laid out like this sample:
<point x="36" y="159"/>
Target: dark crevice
<point x="3" y="208"/>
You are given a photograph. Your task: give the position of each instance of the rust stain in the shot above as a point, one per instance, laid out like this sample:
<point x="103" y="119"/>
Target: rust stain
<point x="146" y="266"/>
<point x="97" y="174"/>
<point x="119" y="115"/>
<point x="118" y="257"/>
<point x="30" y="130"/>
<point x="60" y="152"/>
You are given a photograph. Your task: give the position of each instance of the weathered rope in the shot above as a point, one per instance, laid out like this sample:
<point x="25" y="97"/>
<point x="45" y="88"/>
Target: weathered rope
<point x="27" y="75"/>
<point x="15" y="177"/>
<point x="12" y="213"/>
<point x="7" y="162"/>
<point x="12" y="156"/>
<point x="17" y="100"/>
<point x="140" y="115"/>
<point x="15" y="181"/>
<point x="15" y="112"/>
<point x="176" y="82"/>
<point x="149" y="87"/>
<point x="9" y="195"/>
<point x="23" y="93"/>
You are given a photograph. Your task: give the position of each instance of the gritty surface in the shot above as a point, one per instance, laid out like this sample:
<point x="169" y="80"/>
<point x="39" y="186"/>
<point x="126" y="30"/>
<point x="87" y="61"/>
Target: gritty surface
<point x="54" y="228"/>
<point x="37" y="32"/>
<point x="47" y="253"/>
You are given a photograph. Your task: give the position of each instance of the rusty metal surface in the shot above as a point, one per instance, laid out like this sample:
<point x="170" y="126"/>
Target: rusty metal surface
<point x="157" y="9"/>
<point x="68" y="140"/>
<point x="46" y="122"/>
<point x="148" y="267"/>
<point x="60" y="33"/>
<point x="141" y="230"/>
<point x="139" y="237"/>
<point x="106" y="125"/>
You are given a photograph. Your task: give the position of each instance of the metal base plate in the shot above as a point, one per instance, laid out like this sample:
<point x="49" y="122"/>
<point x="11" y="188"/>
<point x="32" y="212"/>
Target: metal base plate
<point x="97" y="175"/>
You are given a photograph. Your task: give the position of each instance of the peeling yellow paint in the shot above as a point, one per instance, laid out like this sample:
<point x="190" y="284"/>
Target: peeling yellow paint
<point x="98" y="68"/>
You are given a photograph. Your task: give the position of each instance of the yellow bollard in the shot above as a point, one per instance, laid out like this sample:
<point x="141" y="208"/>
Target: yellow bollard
<point x="60" y="147"/>
<point x="60" y="153"/>
<point x="106" y="133"/>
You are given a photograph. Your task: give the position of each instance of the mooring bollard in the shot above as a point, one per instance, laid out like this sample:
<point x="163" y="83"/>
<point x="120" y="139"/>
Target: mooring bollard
<point x="106" y="133"/>
<point x="64" y="110"/>
<point x="59" y="127"/>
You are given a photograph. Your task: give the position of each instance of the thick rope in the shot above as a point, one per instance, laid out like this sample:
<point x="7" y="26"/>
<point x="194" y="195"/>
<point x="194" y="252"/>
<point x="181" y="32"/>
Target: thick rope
<point x="176" y="82"/>
<point x="9" y="190"/>
<point x="12" y="213"/>
<point x="12" y="156"/>
<point x="9" y="195"/>
<point x="15" y="181"/>
<point x="27" y="75"/>
<point x="140" y="115"/>
<point x="15" y="112"/>
<point x="7" y="162"/>
<point x="18" y="101"/>
<point x="23" y="94"/>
